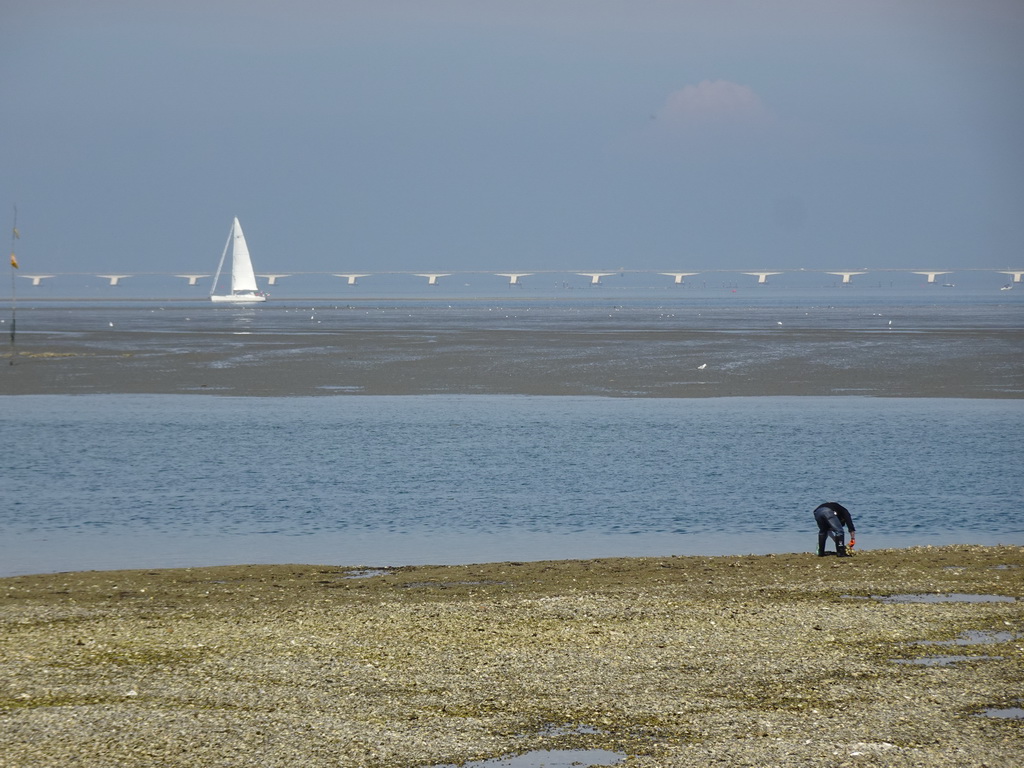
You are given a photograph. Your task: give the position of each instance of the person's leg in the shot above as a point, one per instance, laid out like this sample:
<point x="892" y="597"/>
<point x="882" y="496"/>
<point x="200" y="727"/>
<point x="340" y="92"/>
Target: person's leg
<point x="837" y="534"/>
<point x="821" y="518"/>
<point x="829" y="526"/>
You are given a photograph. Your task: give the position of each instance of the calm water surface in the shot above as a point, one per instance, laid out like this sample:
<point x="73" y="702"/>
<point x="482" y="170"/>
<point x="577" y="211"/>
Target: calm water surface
<point x="135" y="481"/>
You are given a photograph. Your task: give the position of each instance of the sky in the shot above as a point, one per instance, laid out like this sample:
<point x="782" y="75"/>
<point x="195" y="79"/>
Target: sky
<point x="441" y="135"/>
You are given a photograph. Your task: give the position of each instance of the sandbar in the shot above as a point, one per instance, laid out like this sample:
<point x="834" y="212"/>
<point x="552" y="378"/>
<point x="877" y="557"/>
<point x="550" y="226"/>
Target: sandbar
<point x="581" y="362"/>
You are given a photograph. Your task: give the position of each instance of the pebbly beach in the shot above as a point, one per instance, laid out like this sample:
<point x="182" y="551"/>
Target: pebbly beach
<point x="904" y="657"/>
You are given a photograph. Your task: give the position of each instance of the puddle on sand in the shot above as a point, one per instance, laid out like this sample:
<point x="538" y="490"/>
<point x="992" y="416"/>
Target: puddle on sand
<point x="970" y="637"/>
<point x="973" y="637"/>
<point x="952" y="597"/>
<point x="941" y="661"/>
<point x="548" y="758"/>
<point x="367" y="574"/>
<point x="1008" y="713"/>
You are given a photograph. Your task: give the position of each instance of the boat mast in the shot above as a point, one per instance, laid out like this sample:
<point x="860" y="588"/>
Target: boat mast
<point x="213" y="288"/>
<point x="14" y="300"/>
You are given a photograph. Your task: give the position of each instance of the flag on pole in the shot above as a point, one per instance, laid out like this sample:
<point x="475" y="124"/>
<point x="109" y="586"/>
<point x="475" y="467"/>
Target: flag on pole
<point x="17" y="234"/>
<point x="14" y="261"/>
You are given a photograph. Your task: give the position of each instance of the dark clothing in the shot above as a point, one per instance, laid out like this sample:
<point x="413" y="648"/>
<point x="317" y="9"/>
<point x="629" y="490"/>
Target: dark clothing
<point x="831" y="517"/>
<point x="839" y="511"/>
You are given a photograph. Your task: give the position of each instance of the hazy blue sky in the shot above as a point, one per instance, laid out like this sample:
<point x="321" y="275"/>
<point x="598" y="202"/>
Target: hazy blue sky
<point x="461" y="134"/>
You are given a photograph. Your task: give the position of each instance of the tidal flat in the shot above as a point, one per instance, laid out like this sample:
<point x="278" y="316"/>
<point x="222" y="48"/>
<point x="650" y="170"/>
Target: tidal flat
<point x="773" y="660"/>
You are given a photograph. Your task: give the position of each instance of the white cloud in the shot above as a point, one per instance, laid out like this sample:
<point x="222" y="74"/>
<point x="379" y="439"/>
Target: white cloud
<point x="713" y="102"/>
<point x="710" y="120"/>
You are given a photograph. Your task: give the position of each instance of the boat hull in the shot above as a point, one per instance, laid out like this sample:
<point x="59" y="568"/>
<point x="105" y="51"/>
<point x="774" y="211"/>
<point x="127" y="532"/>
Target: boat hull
<point x="240" y="298"/>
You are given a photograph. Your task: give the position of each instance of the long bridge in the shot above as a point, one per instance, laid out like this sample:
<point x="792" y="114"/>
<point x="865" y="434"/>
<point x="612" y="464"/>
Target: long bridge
<point x="515" y="278"/>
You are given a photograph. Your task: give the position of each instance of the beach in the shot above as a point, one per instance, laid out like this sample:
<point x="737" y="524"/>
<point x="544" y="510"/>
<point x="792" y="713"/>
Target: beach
<point x="788" y="660"/>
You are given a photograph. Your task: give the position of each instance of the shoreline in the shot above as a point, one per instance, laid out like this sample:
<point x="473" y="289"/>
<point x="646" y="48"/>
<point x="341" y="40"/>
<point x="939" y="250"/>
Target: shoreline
<point x="782" y="660"/>
<point x="164" y="553"/>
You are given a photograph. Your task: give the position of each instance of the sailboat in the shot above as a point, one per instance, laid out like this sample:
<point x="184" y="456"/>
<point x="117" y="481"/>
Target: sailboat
<point x="243" y="280"/>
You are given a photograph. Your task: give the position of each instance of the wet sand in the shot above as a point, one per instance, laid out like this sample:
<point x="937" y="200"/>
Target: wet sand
<point x="643" y="363"/>
<point x="685" y="661"/>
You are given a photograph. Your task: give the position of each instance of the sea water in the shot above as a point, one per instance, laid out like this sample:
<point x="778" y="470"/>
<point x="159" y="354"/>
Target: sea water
<point x="142" y="481"/>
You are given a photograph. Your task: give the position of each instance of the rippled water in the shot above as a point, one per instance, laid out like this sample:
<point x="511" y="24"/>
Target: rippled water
<point x="109" y="481"/>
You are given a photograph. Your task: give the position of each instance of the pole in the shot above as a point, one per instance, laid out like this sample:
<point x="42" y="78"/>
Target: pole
<point x="14" y="300"/>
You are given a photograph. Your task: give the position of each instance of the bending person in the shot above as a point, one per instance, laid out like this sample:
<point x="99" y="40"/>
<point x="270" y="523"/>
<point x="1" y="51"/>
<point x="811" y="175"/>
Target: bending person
<point x="831" y="517"/>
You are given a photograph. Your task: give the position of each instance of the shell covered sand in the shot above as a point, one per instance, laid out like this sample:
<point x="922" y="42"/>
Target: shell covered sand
<point x="742" y="661"/>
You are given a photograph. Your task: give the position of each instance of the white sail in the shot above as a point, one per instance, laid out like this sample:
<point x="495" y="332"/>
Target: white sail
<point x="242" y="276"/>
<point x="243" y="279"/>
